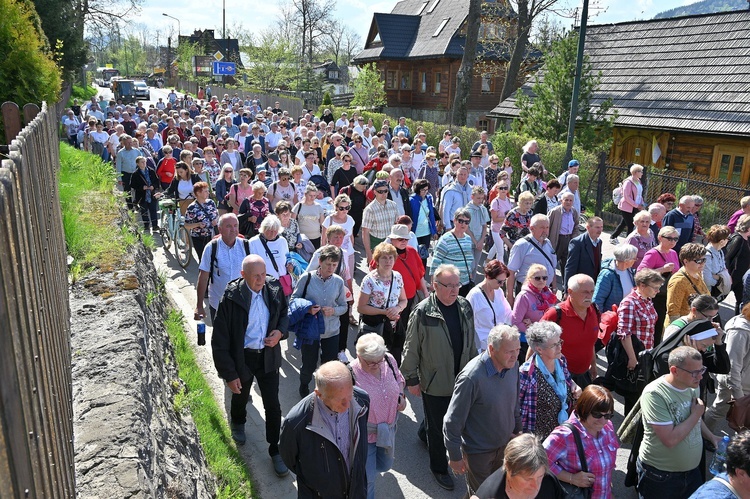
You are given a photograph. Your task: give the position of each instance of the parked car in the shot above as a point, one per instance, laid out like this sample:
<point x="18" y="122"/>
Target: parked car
<point x="142" y="91"/>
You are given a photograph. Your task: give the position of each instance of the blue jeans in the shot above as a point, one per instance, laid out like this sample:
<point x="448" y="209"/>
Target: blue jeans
<point x="377" y="462"/>
<point x="657" y="484"/>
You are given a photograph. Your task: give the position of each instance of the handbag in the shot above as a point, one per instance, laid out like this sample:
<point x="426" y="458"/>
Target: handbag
<point x="738" y="416"/>
<point x="285" y="280"/>
<point x="375" y="323"/>
<point x="573" y="491"/>
<point x="723" y="285"/>
<point x="464" y="290"/>
<point x="624" y="380"/>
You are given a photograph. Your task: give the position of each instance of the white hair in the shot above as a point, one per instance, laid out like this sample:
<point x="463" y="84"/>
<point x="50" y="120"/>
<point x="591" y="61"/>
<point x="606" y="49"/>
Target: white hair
<point x="371" y="347"/>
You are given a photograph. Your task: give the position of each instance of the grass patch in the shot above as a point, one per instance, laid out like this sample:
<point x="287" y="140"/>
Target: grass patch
<point x="224" y="461"/>
<point x="83" y="94"/>
<point x="90" y="210"/>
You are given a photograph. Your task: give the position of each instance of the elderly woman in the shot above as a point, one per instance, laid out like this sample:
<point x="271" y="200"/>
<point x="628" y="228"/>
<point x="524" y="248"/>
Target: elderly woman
<point x="663" y="259"/>
<point x="631" y="202"/>
<point x="223" y="185"/>
<point x="430" y="172"/>
<point x="298" y="182"/>
<point x="489" y="303"/>
<point x="274" y="249"/>
<point x="592" y="421"/>
<point x="718" y="237"/>
<point x="499" y="207"/>
<point x="686" y="281"/>
<point x="546" y="390"/>
<point x="201" y="218"/>
<point x="531" y="303"/>
<point x="517" y="220"/>
<point x="253" y="210"/>
<point x="146" y="188"/>
<point x="334" y="164"/>
<point x="376" y="372"/>
<point x="382" y="297"/>
<point x="637" y="317"/>
<point x="641" y="238"/>
<point x="423" y="216"/>
<point x="341" y="217"/>
<point x="289" y="227"/>
<point x="525" y="473"/>
<point x="310" y="215"/>
<point x="455" y="247"/>
<point x="282" y="189"/>
<point x="356" y="192"/>
<point x="231" y="155"/>
<point x="738" y="257"/>
<point x="241" y="190"/>
<point x="615" y="278"/>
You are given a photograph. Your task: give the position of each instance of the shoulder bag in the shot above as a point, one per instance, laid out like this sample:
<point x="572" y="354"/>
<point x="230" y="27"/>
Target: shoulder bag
<point x="573" y="491"/>
<point x="466" y="287"/>
<point x="285" y="280"/>
<point x="375" y="323"/>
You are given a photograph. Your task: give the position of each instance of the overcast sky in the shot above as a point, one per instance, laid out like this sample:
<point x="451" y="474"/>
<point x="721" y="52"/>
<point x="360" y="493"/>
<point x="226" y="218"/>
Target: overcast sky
<point x="254" y="14"/>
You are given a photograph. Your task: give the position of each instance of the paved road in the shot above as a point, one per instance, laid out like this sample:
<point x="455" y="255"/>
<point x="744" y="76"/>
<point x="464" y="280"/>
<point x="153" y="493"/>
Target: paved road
<point x="410" y="476"/>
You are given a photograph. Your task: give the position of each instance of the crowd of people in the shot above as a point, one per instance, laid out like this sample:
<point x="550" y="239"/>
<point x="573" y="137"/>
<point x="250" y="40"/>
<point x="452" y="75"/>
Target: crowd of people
<point x="485" y="298"/>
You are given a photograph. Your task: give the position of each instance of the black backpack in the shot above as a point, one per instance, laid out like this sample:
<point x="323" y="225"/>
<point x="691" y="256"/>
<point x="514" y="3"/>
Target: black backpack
<point x="212" y="249"/>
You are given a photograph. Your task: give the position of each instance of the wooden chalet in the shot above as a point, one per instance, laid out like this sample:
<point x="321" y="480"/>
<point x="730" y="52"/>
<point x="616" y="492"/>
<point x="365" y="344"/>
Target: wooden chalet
<point x="681" y="83"/>
<point x="418" y="49"/>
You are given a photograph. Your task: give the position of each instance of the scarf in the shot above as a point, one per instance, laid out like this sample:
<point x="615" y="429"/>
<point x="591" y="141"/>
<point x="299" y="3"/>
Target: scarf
<point x="558" y="384"/>
<point x="147" y="179"/>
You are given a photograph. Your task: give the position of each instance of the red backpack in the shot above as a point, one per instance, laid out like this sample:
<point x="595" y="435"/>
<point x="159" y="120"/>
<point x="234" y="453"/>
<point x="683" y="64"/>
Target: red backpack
<point x="607" y="325"/>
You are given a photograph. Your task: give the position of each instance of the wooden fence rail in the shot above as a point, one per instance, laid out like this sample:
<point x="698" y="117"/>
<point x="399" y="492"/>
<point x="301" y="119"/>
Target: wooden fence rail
<point x="36" y="413"/>
<point x="291" y="104"/>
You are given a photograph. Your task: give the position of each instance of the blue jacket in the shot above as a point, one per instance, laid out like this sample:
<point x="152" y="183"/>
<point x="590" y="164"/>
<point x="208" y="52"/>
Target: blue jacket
<point x="608" y="289"/>
<point x="416" y="211"/>
<point x="308" y="328"/>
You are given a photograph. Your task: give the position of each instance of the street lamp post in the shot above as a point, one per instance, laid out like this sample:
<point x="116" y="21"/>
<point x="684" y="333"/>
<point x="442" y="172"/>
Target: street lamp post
<point x="179" y="31"/>
<point x="169" y="50"/>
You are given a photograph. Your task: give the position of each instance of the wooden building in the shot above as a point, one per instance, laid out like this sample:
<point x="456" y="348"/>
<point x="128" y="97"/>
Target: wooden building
<point x="418" y="49"/>
<point x="682" y="84"/>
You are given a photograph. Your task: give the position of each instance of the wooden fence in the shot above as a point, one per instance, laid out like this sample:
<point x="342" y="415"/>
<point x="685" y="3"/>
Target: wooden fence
<point x="36" y="412"/>
<point x="291" y="104"/>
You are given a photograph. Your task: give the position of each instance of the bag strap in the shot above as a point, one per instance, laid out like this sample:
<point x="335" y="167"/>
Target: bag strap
<point x="390" y="288"/>
<point x="579" y="445"/>
<point x="268" y="252"/>
<point x="494" y="317"/>
<point x="462" y="252"/>
<point x="304" y="290"/>
<point x="392" y="369"/>
<point x="690" y="280"/>
<point x="727" y="485"/>
<point x="531" y="240"/>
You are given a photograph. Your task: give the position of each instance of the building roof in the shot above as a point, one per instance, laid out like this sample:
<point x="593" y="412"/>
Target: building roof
<point x="687" y="73"/>
<point x="417" y="29"/>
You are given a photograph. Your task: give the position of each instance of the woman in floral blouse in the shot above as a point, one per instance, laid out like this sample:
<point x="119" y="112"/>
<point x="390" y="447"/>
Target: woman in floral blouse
<point x="517" y="220"/>
<point x="200" y="218"/>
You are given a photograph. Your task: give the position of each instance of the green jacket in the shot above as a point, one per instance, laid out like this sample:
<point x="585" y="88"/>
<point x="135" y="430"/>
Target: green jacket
<point x="428" y="354"/>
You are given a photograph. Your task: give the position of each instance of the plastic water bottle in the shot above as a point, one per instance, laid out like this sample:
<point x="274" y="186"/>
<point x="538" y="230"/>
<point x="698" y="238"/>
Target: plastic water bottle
<point x="201" y="327"/>
<point x="718" y="463"/>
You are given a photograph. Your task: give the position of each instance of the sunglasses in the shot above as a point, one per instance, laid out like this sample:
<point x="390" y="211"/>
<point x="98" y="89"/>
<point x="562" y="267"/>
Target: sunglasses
<point x="540" y="277"/>
<point x="344" y="208"/>
<point x="502" y="188"/>
<point x="347" y="161"/>
<point x="673" y="239"/>
<point x="494" y="162"/>
<point x="462" y="221"/>
<point x="700" y="261"/>
<point x="600" y="415"/>
<point x="381" y="191"/>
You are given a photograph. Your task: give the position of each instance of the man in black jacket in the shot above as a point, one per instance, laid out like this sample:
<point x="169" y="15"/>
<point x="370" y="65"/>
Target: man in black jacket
<point x="585" y="252"/>
<point x="398" y="193"/>
<point x="251" y="320"/>
<point x="328" y="463"/>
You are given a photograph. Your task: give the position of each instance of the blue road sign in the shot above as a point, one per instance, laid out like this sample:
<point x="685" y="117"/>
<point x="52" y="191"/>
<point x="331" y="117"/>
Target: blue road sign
<point x="225" y="68"/>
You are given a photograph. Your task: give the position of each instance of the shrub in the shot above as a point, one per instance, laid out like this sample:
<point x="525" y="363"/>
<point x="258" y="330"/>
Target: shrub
<point x="327" y="99"/>
<point x="83" y="94"/>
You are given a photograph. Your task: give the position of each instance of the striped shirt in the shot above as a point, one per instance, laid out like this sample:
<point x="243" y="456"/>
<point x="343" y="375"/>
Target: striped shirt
<point x="449" y="251"/>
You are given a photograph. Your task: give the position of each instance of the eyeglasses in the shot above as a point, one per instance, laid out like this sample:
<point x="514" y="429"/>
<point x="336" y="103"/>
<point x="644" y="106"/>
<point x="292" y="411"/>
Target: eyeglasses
<point x="708" y="315"/>
<point x="462" y="221"/>
<point x="500" y="282"/>
<point x="502" y="188"/>
<point x="431" y="159"/>
<point x="559" y="344"/>
<point x="370" y="363"/>
<point x="343" y="208"/>
<point x="700" y="261"/>
<point x="695" y="374"/>
<point x="449" y="286"/>
<point x="673" y="239"/>
<point x="600" y="415"/>
<point x="494" y="162"/>
<point x="540" y="277"/>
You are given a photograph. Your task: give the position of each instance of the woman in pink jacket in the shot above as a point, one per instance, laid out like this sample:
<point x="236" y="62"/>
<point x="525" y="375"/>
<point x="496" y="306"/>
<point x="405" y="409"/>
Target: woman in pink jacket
<point x="631" y="202"/>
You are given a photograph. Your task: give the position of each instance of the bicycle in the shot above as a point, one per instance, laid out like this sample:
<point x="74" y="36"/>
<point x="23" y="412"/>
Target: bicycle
<point x="172" y="228"/>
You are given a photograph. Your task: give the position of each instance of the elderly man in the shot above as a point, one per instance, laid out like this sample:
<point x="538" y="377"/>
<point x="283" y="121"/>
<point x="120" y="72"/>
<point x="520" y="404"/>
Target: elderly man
<point x="657" y="212"/>
<point x="563" y="227"/>
<point x="324" y="436"/>
<point x="534" y="248"/>
<point x="398" y="194"/>
<point x="744" y="210"/>
<point x="579" y="321"/>
<point x="251" y="320"/>
<point x="585" y="251"/>
<point x="480" y="420"/>
<point x="440" y="341"/>
<point x="573" y="182"/>
<point x="401" y="127"/>
<point x="378" y="218"/>
<point x="221" y="263"/>
<point x="681" y="218"/>
<point x="456" y="196"/>
<point x="484" y="140"/>
<point x="125" y="165"/>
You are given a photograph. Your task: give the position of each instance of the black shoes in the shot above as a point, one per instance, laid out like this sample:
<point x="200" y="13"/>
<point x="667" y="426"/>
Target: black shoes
<point x="238" y="433"/>
<point x="445" y="480"/>
<point x="279" y="467"/>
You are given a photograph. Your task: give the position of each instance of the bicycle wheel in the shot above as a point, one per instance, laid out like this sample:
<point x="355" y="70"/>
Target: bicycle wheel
<point x="183" y="247"/>
<point x="164" y="228"/>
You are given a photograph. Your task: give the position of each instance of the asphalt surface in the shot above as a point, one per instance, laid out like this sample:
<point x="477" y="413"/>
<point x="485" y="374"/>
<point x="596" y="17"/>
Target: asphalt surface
<point x="410" y="476"/>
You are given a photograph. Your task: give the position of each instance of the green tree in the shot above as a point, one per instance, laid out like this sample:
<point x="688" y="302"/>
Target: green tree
<point x="185" y="53"/>
<point x="546" y="115"/>
<point x="62" y="22"/>
<point x="27" y="72"/>
<point x="273" y="61"/>
<point x="369" y="89"/>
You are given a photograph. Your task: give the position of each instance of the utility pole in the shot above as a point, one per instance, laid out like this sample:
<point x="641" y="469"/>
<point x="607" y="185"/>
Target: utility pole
<point x="576" y="84"/>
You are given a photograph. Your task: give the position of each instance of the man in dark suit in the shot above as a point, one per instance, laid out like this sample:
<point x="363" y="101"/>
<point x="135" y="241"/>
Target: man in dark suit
<point x="252" y="137"/>
<point x="398" y="193"/>
<point x="585" y="251"/>
<point x="251" y="320"/>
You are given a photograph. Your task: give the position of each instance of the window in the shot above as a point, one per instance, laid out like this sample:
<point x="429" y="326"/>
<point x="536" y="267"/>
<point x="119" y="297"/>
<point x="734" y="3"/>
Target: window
<point x="423" y="82"/>
<point x="483" y="125"/>
<point x="333" y="75"/>
<point x="488" y="84"/>
<point x="438" y="78"/>
<point x="440" y="28"/>
<point x="432" y="7"/>
<point x="406" y="80"/>
<point x="390" y="79"/>
<point x="729" y="163"/>
<point x="421" y="8"/>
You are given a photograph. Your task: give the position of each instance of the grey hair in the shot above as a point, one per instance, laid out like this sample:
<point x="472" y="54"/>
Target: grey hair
<point x="271" y="222"/>
<point x="462" y="212"/>
<point x="371" y="347"/>
<point x="624" y="252"/>
<point x="524" y="455"/>
<point x="446" y="268"/>
<point x="642" y="215"/>
<point x="394" y="157"/>
<point x="573" y="177"/>
<point x="331" y="373"/>
<point x="679" y="355"/>
<point x="648" y="277"/>
<point x="360" y="180"/>
<point x="539" y="333"/>
<point x="502" y="332"/>
<point x="567" y="194"/>
<point x="258" y="185"/>
<point x="339" y="150"/>
<point x="685" y="199"/>
<point x="227" y="216"/>
<point x="697" y="199"/>
<point x="636" y="168"/>
<point x="743" y="224"/>
<point x="574" y="283"/>
<point x="538" y="218"/>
